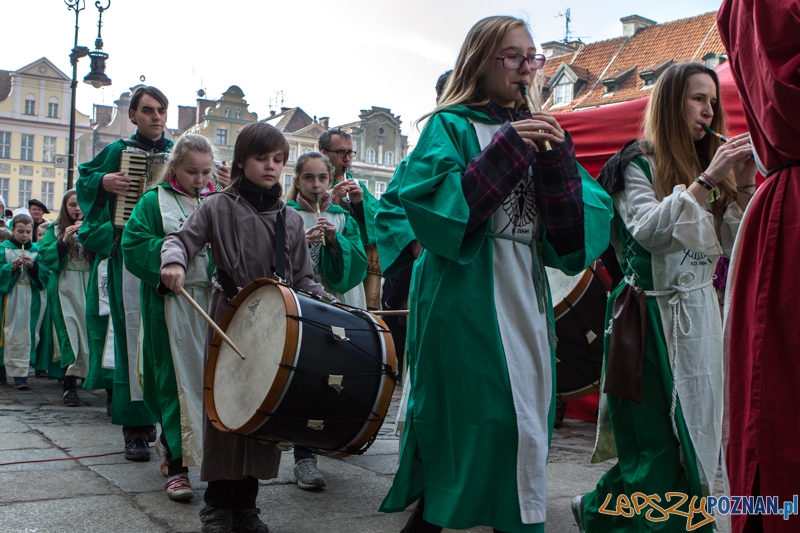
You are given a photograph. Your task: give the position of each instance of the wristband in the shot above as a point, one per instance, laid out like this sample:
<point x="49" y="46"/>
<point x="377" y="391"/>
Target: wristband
<point x="713" y="190"/>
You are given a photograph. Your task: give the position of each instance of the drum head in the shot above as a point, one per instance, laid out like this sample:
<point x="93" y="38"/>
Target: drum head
<point x="258" y="329"/>
<point x="561" y="284"/>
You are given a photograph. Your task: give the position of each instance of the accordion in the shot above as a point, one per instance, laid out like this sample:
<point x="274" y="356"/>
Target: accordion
<point x="142" y="168"/>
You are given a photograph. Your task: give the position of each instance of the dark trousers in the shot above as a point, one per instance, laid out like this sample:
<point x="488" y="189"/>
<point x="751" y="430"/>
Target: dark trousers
<point x="175" y="465"/>
<point x="136" y="432"/>
<point x="232" y="493"/>
<point x="302" y="453"/>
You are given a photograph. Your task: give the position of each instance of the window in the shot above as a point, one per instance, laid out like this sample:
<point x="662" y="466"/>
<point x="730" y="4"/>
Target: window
<point x="25" y="188"/>
<point x="49" y="150"/>
<point x="222" y="137"/>
<point x="5" y="144"/>
<point x="26" y="150"/>
<point x="4" y="188"/>
<point x="287" y="182"/>
<point x="380" y="188"/>
<point x="388" y="159"/>
<point x="292" y="153"/>
<point x="52" y="108"/>
<point x="30" y="105"/>
<point x="370" y="156"/>
<point x="48" y="191"/>
<point x="563" y="93"/>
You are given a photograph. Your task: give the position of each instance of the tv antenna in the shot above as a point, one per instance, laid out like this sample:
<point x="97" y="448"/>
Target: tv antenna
<point x="568" y="37"/>
<point x="277" y="101"/>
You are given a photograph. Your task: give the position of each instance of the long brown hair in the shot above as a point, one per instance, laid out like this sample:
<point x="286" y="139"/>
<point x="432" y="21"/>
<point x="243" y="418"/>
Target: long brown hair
<point x="64" y="220"/>
<point x="668" y="140"/>
<point x="257" y="138"/>
<point x="474" y="61"/>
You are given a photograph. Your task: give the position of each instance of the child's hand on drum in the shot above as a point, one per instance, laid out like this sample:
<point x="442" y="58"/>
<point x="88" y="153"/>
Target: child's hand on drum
<point x="173" y="276"/>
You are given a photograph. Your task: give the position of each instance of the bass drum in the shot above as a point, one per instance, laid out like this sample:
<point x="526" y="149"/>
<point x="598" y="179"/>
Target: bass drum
<point x="314" y="375"/>
<point x="580" y="310"/>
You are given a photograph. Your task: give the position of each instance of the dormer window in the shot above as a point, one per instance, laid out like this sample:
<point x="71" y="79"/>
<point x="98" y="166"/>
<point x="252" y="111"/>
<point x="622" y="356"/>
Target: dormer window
<point x="713" y="60"/>
<point x="562" y="94"/>
<point x="610" y="90"/>
<point x="651" y="73"/>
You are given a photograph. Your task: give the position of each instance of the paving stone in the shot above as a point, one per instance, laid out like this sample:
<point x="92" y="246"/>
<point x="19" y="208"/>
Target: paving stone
<point x="19" y="441"/>
<point x="51" y="485"/>
<point x="82" y="514"/>
<point x="7" y="456"/>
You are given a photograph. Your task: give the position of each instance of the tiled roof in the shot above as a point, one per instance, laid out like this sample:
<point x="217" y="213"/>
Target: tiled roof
<point x="289" y="120"/>
<point x="5" y="84"/>
<point x="681" y="41"/>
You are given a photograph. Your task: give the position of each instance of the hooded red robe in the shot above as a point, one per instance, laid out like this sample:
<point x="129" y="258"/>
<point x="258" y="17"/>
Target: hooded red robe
<point x="763" y="321"/>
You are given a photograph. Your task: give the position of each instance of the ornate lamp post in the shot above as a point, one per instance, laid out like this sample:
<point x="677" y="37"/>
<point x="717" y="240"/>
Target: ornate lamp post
<point x="96" y="77"/>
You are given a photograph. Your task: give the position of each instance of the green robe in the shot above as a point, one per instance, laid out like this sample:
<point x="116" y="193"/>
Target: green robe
<point x="98" y="235"/>
<point x="392" y="229"/>
<point x="68" y="284"/>
<point x="20" y="295"/>
<point x="461" y="442"/>
<point x="660" y="243"/>
<point x="47" y="356"/>
<point x="343" y="272"/>
<point x="173" y="332"/>
<point x="370" y="205"/>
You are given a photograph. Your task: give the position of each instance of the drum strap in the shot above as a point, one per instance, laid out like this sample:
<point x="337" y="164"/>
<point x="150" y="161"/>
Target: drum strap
<point x="280" y="246"/>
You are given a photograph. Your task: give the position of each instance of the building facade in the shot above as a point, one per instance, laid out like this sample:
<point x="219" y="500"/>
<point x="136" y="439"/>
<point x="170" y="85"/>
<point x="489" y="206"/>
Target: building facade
<point x="34" y="134"/>
<point x="221" y="122"/>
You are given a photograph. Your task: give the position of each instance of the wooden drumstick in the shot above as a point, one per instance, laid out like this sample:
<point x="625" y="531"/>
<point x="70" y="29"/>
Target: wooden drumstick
<point x="532" y="108"/>
<point x="211" y="322"/>
<point x="319" y="216"/>
<point x="398" y="312"/>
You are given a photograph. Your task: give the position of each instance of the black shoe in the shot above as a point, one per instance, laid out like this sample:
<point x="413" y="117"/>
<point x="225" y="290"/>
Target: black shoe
<point x="137" y="450"/>
<point x="71" y="398"/>
<point x="3" y="378"/>
<point x="41" y="374"/>
<point x="109" y="393"/>
<point x="21" y="383"/>
<point x="151" y="433"/>
<point x="216" y="520"/>
<point x="247" y="521"/>
<point x="416" y="524"/>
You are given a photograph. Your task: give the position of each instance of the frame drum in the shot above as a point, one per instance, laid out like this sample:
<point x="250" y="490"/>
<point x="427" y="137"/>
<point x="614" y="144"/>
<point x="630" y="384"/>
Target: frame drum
<point x="579" y="310"/>
<point x="315" y="375"/>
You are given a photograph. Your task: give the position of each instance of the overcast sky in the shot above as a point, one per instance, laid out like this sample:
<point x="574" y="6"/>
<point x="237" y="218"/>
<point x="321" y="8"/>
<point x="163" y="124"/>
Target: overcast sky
<point x="330" y="58"/>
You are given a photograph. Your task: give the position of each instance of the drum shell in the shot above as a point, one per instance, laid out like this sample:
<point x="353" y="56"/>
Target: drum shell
<point x="300" y="392"/>
<point x="580" y="361"/>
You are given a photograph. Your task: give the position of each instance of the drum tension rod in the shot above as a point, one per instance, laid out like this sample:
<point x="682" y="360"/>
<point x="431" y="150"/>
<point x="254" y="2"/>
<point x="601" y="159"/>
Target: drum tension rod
<point x="339" y="333"/>
<point x="316" y="425"/>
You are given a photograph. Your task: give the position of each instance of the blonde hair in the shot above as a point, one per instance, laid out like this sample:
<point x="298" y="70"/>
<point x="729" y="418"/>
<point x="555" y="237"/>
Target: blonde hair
<point x="668" y="139"/>
<point x="477" y="55"/>
<point x="189" y="142"/>
<point x="294" y="189"/>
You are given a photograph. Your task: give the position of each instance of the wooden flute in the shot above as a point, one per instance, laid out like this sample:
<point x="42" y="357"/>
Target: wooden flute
<point x="532" y="108"/>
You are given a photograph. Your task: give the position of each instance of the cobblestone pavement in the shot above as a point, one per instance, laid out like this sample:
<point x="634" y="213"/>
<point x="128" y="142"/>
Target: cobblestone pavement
<point x="107" y="493"/>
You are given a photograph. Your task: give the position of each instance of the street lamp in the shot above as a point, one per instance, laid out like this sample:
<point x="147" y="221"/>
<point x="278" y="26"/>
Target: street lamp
<point x="96" y="78"/>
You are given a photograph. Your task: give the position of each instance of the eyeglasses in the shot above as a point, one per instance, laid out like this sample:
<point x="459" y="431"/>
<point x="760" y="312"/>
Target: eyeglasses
<point x="342" y="153"/>
<point x="515" y="61"/>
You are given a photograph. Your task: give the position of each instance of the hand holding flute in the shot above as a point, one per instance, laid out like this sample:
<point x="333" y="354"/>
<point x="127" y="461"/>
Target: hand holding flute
<point x="541" y="129"/>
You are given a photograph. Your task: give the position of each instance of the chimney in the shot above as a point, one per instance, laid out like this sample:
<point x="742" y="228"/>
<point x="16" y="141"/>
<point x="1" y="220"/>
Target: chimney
<point x="202" y="105"/>
<point x="557" y="48"/>
<point x="632" y="24"/>
<point x="186" y="117"/>
<point x="102" y="114"/>
<point x="323" y="121"/>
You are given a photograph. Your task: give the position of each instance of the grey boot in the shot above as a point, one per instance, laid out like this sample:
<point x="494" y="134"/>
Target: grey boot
<point x="216" y="520"/>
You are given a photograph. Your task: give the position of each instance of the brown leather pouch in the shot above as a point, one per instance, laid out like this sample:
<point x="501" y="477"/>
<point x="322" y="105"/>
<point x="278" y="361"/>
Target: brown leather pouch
<point x="626" y="347"/>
